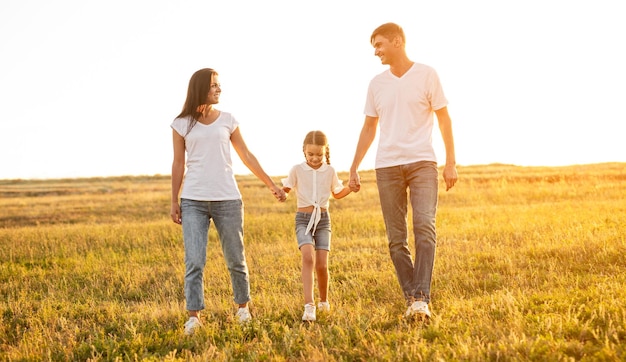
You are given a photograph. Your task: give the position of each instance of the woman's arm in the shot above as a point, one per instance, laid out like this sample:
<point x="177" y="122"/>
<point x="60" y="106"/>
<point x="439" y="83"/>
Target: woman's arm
<point x="253" y="165"/>
<point x="178" y="170"/>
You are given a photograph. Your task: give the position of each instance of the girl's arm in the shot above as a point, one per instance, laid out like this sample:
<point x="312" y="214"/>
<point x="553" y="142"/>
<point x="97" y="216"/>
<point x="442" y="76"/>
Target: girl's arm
<point x="343" y="193"/>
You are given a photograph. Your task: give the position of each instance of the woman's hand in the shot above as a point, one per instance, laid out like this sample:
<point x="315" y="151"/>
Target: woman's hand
<point x="278" y="193"/>
<point x="175" y="213"/>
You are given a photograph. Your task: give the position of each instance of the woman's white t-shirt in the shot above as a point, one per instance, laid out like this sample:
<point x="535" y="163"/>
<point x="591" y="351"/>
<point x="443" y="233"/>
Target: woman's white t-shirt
<point x="209" y="175"/>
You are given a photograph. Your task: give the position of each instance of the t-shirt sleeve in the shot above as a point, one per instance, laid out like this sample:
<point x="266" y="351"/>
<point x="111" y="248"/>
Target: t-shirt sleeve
<point x="180" y="126"/>
<point x="337" y="184"/>
<point x="370" y="106"/>
<point x="233" y="124"/>
<point x="291" y="180"/>
<point x="437" y="98"/>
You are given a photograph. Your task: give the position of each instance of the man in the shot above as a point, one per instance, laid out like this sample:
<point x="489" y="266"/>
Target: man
<point x="402" y="101"/>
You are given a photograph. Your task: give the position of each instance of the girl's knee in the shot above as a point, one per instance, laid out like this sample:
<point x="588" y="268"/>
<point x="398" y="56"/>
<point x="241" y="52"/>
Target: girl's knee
<point x="308" y="258"/>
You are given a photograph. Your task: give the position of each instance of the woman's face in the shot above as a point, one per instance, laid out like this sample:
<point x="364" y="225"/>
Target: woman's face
<point x="214" y="90"/>
<point x="314" y="155"/>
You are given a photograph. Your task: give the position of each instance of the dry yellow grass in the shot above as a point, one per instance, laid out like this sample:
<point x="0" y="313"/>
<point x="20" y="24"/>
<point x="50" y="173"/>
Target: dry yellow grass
<point x="530" y="266"/>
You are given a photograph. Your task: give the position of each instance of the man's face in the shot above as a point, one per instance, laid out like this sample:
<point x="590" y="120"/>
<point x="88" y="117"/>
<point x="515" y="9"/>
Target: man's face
<point x="383" y="48"/>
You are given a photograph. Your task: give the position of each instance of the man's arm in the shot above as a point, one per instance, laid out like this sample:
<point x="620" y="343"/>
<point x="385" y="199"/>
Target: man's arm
<point x="368" y="133"/>
<point x="445" y="126"/>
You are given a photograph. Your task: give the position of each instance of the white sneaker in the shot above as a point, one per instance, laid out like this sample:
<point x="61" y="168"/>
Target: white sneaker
<point x="243" y="315"/>
<point x="323" y="307"/>
<point x="191" y="325"/>
<point x="309" y="313"/>
<point x="418" y="308"/>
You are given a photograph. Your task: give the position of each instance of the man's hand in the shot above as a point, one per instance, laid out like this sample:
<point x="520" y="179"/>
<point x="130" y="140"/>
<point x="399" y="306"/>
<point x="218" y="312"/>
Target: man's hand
<point x="355" y="182"/>
<point x="450" y="176"/>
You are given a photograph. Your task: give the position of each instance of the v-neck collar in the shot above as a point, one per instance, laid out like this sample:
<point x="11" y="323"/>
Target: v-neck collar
<point x="405" y="73"/>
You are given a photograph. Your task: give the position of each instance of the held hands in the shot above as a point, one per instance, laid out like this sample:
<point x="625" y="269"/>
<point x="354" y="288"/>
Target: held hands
<point x="450" y="176"/>
<point x="355" y="182"/>
<point x="278" y="193"/>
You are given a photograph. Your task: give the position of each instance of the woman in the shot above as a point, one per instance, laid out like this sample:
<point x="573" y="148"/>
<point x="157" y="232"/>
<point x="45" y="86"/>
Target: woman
<point x="210" y="191"/>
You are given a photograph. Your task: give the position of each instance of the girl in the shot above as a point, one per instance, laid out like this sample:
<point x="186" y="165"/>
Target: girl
<point x="314" y="182"/>
<point x="210" y="191"/>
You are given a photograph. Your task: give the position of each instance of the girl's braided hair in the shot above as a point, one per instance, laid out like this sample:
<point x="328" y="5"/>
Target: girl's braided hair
<point x="317" y="138"/>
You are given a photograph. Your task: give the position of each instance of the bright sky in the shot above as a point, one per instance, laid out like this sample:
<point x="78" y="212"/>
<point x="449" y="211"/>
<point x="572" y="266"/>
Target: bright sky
<point x="89" y="88"/>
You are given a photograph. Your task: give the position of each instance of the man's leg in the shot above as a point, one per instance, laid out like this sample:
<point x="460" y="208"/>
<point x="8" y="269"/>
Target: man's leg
<point x="423" y="186"/>
<point x="392" y="190"/>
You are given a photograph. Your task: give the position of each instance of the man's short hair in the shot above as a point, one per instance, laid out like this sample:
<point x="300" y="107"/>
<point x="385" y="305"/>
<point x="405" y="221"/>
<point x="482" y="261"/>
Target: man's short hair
<point x="389" y="31"/>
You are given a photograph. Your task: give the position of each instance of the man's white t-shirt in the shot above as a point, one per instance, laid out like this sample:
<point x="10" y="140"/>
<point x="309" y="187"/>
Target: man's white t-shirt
<point x="405" y="109"/>
<point x="209" y="175"/>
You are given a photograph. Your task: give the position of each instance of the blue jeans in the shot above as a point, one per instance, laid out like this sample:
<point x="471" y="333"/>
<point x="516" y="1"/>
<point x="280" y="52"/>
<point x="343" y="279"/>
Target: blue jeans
<point x="420" y="178"/>
<point x="228" y="219"/>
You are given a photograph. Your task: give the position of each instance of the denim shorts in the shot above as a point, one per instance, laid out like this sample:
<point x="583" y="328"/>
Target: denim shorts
<point x="321" y="239"/>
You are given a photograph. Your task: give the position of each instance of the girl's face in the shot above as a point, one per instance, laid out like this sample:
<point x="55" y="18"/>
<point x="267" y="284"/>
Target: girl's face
<point x="314" y="155"/>
<point x="214" y="90"/>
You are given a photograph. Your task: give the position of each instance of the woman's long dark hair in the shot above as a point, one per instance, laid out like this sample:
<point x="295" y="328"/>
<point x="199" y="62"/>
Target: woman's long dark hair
<point x="199" y="86"/>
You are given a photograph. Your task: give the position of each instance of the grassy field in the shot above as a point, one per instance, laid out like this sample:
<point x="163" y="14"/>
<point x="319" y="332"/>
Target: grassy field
<point x="530" y="266"/>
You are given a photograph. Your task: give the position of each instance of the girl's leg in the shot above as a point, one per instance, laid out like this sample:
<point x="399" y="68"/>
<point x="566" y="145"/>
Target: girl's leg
<point x="321" y="269"/>
<point x="308" y="264"/>
<point x="322" y="245"/>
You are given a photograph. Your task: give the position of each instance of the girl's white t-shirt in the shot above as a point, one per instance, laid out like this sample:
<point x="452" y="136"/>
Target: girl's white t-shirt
<point x="209" y="175"/>
<point x="405" y="109"/>
<point x="313" y="188"/>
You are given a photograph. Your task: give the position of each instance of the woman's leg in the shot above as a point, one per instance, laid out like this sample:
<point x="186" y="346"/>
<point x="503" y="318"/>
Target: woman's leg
<point x="228" y="218"/>
<point x="195" y="224"/>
